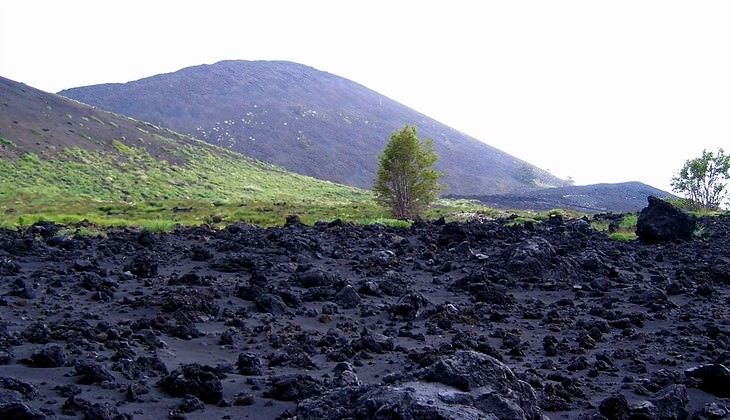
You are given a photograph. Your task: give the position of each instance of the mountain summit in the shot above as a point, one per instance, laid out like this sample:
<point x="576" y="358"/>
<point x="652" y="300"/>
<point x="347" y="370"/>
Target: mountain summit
<point x="309" y="121"/>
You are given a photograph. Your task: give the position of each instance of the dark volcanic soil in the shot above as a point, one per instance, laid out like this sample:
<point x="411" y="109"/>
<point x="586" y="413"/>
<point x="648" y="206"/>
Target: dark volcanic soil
<point x="473" y="320"/>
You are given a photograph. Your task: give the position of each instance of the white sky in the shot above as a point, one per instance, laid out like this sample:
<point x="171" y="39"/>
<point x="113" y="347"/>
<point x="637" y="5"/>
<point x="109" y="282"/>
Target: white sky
<point x="603" y="91"/>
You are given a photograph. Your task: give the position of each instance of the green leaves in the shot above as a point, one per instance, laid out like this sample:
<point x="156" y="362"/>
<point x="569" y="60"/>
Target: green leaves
<point x="405" y="182"/>
<point x="702" y="180"/>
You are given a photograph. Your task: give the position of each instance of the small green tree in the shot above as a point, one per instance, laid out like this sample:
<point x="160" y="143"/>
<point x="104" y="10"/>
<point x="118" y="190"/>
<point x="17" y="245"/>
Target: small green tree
<point x="405" y="182"/>
<point x="702" y="180"/>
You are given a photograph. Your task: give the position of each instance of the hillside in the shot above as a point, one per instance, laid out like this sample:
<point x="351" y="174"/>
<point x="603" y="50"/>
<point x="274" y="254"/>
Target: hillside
<point x="59" y="156"/>
<point x="625" y="197"/>
<point x="309" y="121"/>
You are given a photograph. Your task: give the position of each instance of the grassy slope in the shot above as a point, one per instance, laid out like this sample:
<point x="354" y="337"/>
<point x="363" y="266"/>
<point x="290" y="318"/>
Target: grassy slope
<point x="78" y="184"/>
<point x="64" y="161"/>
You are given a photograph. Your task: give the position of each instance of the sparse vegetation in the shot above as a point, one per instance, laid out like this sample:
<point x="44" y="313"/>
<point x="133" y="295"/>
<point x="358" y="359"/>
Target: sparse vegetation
<point x="94" y="118"/>
<point x="623" y="229"/>
<point x="622" y="236"/>
<point x="122" y="148"/>
<point x="388" y="222"/>
<point x="520" y="218"/>
<point x="526" y="175"/>
<point x="83" y="230"/>
<point x="628" y="222"/>
<point x="6" y="141"/>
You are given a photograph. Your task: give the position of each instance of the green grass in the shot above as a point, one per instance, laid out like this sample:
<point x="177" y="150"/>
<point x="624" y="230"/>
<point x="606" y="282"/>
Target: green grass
<point x="122" y="148"/>
<point x="6" y="141"/>
<point x="132" y="188"/>
<point x="628" y="222"/>
<point x="388" y="222"/>
<point x="626" y="230"/>
<point x="527" y="216"/>
<point x="82" y="229"/>
<point x="622" y="236"/>
<point x="699" y="232"/>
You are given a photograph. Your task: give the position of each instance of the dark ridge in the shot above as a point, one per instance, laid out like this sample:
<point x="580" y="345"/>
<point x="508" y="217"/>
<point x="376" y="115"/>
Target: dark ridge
<point x="622" y="197"/>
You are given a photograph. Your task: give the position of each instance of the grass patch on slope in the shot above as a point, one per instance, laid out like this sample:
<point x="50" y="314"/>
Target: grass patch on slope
<point x="136" y="189"/>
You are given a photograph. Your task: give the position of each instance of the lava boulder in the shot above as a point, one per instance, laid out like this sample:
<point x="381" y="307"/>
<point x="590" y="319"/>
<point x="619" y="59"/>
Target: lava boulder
<point x="660" y="221"/>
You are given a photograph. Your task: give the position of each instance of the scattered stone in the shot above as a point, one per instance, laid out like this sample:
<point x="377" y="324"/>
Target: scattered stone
<point x="470" y="370"/>
<point x="671" y="403"/>
<point x="533" y="256"/>
<point x="615" y="407"/>
<point x="142" y="266"/>
<point x="200" y="381"/>
<point x="244" y="399"/>
<point x="12" y="406"/>
<point x="93" y="373"/>
<point x="191" y="403"/>
<point x="293" y="387"/>
<point x="140" y="367"/>
<point x="50" y="356"/>
<point x="249" y="364"/>
<point x="713" y="378"/>
<point x="712" y="410"/>
<point x="409" y="307"/>
<point x="293" y="219"/>
<point x="24" y="388"/>
<point x="347" y="297"/>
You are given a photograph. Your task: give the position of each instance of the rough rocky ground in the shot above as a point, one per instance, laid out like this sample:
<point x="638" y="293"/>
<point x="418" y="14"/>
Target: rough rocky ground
<point x="442" y="320"/>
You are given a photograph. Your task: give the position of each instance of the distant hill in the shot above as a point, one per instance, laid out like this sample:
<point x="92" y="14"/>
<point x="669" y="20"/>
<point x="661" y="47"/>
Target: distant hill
<point x="623" y="197"/>
<point x="309" y="121"/>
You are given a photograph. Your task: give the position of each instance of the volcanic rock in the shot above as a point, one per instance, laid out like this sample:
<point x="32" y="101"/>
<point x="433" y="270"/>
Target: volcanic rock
<point x="93" y="373"/>
<point x="50" y="356"/>
<point x="468" y="371"/>
<point x="713" y="378"/>
<point x="660" y="221"/>
<point x="203" y="382"/>
<point x="481" y="319"/>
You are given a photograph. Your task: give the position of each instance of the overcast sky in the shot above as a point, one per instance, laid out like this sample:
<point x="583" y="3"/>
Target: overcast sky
<point x="602" y="91"/>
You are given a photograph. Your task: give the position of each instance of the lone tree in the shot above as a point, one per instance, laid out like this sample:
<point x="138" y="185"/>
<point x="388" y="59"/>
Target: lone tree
<point x="405" y="182"/>
<point x="702" y="180"/>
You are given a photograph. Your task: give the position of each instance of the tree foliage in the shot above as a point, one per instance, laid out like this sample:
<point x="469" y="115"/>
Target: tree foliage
<point x="406" y="183"/>
<point x="702" y="180"/>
